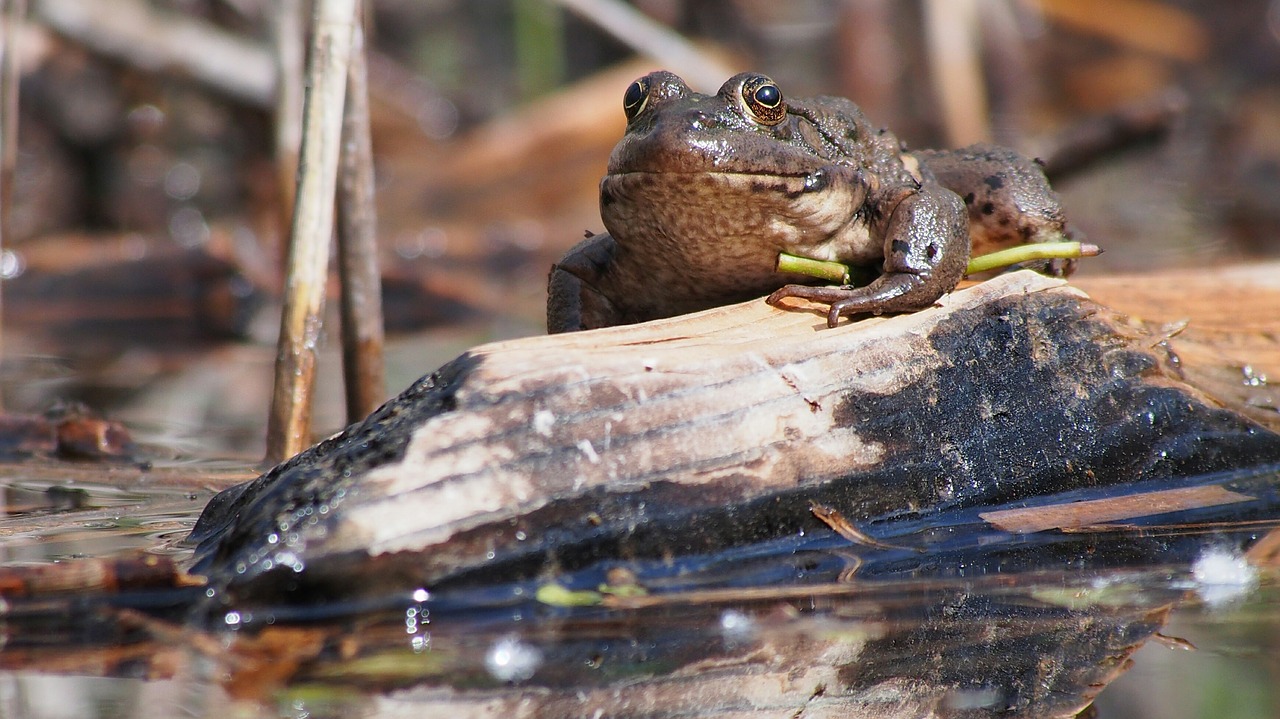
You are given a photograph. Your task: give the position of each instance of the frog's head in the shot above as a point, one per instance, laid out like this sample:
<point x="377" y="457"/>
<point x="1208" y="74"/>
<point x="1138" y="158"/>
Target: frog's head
<point x="747" y="127"/>
<point x="741" y="168"/>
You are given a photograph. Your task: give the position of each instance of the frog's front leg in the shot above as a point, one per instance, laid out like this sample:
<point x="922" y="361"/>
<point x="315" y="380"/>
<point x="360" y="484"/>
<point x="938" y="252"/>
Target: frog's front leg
<point x="574" y="300"/>
<point x="926" y="250"/>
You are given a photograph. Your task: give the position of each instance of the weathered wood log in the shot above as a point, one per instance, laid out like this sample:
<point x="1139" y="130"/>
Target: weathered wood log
<point x="720" y="429"/>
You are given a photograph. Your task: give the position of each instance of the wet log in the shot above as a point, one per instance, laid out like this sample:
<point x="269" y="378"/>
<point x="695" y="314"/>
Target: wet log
<point x="726" y="428"/>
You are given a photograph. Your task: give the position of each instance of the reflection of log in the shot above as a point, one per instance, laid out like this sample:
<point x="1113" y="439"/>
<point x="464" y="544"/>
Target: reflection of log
<point x="970" y="649"/>
<point x="719" y="429"/>
<point x="1045" y="663"/>
<point x="946" y="654"/>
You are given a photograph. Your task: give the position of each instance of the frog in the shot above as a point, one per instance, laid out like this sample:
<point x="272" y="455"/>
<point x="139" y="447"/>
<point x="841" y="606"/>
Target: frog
<point x="703" y="192"/>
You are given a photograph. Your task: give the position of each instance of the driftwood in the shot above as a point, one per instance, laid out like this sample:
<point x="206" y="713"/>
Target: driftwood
<point x="726" y="428"/>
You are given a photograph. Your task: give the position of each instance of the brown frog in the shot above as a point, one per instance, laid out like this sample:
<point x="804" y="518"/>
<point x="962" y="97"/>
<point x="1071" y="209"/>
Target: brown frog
<point x="704" y="191"/>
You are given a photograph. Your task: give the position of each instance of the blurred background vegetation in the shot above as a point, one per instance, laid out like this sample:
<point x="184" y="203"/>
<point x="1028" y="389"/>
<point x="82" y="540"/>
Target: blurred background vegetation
<point x="141" y="270"/>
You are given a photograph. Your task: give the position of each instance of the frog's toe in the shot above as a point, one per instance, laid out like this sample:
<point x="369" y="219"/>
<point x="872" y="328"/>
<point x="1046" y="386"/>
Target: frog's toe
<point x="847" y="307"/>
<point x="833" y="315"/>
<point x="1057" y="267"/>
<point x="1060" y="267"/>
<point x="863" y="305"/>
<point x="806" y="292"/>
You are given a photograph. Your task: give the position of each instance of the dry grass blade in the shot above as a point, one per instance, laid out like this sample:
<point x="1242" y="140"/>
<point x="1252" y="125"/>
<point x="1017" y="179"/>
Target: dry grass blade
<point x="289" y="422"/>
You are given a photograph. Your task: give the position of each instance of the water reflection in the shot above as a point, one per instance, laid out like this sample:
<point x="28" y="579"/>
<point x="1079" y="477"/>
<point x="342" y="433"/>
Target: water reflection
<point x="905" y="649"/>
<point x="46" y="520"/>
<point x="1021" y="644"/>
<point x="985" y="623"/>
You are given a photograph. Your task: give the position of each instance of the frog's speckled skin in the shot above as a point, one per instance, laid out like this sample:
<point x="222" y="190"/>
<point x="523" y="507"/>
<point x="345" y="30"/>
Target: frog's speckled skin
<point x="704" y="191"/>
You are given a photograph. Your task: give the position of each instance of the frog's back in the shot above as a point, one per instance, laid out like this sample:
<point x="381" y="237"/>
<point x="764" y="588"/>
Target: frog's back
<point x="1007" y="195"/>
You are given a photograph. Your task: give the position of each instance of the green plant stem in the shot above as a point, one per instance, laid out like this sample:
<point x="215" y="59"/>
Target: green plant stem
<point x="840" y="273"/>
<point x="823" y="269"/>
<point x="1027" y="253"/>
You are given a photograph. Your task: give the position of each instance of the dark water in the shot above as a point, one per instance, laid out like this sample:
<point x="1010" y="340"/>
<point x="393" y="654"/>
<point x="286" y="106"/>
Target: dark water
<point x="804" y="627"/>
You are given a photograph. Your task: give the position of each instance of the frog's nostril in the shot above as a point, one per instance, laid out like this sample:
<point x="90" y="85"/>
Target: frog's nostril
<point x="816" y="180"/>
<point x="696" y="120"/>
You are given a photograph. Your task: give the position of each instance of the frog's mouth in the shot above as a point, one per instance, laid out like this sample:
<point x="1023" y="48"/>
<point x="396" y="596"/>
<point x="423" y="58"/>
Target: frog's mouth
<point x="818" y="214"/>
<point x="830" y="179"/>
<point x="833" y="193"/>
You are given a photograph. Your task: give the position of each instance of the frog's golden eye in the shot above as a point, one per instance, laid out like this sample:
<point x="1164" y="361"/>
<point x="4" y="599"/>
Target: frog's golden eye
<point x="763" y="100"/>
<point x="636" y="97"/>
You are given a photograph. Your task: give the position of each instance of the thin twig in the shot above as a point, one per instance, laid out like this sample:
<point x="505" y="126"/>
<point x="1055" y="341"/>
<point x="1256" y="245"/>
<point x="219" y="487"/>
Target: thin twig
<point x="361" y="299"/>
<point x="15" y="13"/>
<point x="289" y="422"/>
<point x="840" y="273"/>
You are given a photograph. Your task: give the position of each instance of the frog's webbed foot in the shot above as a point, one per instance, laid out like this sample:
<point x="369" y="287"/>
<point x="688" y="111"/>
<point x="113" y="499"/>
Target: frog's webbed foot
<point x="926" y="251"/>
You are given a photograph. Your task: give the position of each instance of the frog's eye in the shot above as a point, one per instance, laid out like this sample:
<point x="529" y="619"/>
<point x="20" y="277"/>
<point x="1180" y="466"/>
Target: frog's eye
<point x="763" y="100"/>
<point x="636" y="97"/>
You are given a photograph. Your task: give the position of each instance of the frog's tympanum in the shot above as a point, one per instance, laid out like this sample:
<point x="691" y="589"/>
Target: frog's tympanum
<point x="704" y="191"/>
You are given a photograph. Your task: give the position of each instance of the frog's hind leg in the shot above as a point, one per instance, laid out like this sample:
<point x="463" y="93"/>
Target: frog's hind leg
<point x="926" y="252"/>
<point x="1007" y="195"/>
